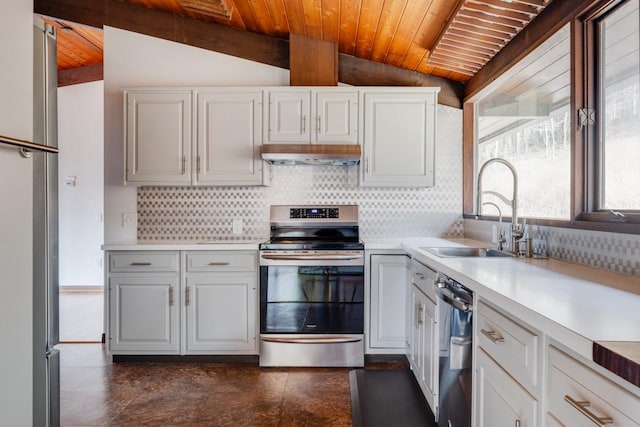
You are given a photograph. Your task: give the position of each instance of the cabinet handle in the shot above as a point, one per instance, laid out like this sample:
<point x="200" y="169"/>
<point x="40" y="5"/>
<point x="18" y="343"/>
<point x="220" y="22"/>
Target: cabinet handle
<point x="419" y="275"/>
<point x="187" y="296"/>
<point x="139" y="264"/>
<point x="492" y="335"/>
<point x="170" y="296"/>
<point x="582" y="407"/>
<point x="218" y="263"/>
<point x="420" y="314"/>
<point x="198" y="164"/>
<point x="304" y="124"/>
<point x="319" y="125"/>
<point x="415" y="314"/>
<point x="366" y="165"/>
<point x="184" y="165"/>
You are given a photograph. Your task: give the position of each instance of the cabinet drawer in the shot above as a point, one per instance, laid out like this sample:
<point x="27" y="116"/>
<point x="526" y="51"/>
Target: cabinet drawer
<point x="512" y="345"/>
<point x="144" y="261"/>
<point x="424" y="277"/>
<point x="221" y="261"/>
<point x="578" y="394"/>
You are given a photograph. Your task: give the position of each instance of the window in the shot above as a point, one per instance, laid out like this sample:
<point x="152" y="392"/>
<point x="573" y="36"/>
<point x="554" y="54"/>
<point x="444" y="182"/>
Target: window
<point x="618" y="143"/>
<point x="526" y="120"/>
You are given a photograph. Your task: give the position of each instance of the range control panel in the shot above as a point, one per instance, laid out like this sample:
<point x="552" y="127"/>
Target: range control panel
<point x="315" y="213"/>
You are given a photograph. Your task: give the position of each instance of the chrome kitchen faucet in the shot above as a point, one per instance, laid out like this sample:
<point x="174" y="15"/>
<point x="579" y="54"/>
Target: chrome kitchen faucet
<point x="516" y="231"/>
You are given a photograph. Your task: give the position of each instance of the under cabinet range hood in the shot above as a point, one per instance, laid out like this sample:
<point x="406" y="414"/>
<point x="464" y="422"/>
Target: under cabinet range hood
<point x="311" y="154"/>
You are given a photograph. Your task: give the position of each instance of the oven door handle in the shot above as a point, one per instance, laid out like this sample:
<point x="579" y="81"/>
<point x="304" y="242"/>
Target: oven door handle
<point x="311" y="257"/>
<point x="320" y="340"/>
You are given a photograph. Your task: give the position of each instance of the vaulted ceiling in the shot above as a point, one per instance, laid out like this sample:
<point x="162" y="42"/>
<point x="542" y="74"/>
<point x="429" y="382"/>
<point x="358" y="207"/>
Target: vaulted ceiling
<point x="416" y="41"/>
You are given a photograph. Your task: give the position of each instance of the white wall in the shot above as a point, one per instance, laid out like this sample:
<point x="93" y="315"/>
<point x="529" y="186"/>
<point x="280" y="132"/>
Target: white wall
<point x="132" y="59"/>
<point x="16" y="182"/>
<point x="80" y="138"/>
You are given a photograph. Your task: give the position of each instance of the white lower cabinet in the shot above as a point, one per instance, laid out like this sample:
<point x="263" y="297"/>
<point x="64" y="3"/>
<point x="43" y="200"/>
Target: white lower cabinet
<point x="144" y="314"/>
<point x="577" y="395"/>
<point x="423" y="342"/>
<point x="387" y="325"/>
<point x="507" y="375"/>
<point x="501" y="400"/>
<point x="143" y="292"/>
<point x="171" y="302"/>
<point x="220" y="313"/>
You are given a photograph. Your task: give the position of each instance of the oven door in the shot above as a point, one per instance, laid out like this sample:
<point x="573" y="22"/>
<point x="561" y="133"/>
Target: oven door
<point x="311" y="293"/>
<point x="311" y="309"/>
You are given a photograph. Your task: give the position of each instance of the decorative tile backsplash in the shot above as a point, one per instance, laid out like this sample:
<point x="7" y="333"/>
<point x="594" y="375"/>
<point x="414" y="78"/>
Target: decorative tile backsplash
<point x="615" y="252"/>
<point x="206" y="213"/>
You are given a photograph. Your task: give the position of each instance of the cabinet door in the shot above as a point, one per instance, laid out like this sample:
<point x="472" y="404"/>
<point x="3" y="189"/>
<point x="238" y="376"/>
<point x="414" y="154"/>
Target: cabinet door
<point x="289" y="115"/>
<point x="144" y="314"/>
<point x="501" y="401"/>
<point x="336" y="117"/>
<point x="220" y="313"/>
<point x="388" y="297"/>
<point x="398" y="138"/>
<point x="424" y="350"/>
<point x="158" y="138"/>
<point x="229" y="138"/>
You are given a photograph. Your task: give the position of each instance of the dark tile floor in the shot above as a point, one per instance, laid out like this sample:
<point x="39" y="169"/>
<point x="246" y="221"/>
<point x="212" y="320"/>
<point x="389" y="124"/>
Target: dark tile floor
<point x="97" y="392"/>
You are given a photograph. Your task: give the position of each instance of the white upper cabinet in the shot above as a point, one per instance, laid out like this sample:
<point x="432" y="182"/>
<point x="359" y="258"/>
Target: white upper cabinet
<point x="158" y="137"/>
<point x="336" y="115"/>
<point x="229" y="133"/>
<point x="398" y="136"/>
<point x="172" y="140"/>
<point x="303" y="116"/>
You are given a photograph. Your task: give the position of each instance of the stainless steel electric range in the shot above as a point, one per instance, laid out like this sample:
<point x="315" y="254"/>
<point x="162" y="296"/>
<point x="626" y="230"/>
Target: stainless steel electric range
<point x="312" y="288"/>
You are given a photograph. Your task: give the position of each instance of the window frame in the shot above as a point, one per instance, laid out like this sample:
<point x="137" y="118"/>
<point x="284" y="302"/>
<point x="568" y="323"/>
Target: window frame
<point x="584" y="90"/>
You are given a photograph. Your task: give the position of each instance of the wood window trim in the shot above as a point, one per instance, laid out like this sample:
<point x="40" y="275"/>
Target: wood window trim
<point x="583" y="150"/>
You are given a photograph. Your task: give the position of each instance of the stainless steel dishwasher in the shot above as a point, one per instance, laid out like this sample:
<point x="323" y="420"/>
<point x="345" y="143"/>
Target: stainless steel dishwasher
<point x="455" y="348"/>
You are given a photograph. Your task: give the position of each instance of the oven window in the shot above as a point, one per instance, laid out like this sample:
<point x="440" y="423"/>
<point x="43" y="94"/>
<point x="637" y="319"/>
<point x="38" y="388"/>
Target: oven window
<point x="312" y="299"/>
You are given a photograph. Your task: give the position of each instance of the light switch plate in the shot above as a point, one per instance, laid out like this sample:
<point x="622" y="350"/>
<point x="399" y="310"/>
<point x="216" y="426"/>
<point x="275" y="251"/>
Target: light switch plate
<point x="237" y="226"/>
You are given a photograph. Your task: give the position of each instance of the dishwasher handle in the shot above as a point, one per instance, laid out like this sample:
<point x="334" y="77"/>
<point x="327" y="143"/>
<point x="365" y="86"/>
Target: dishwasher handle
<point x="460" y="305"/>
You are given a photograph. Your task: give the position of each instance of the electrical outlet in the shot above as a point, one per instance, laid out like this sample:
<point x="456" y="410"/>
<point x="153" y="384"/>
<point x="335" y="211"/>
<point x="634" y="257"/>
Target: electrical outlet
<point x="128" y="219"/>
<point x="237" y="226"/>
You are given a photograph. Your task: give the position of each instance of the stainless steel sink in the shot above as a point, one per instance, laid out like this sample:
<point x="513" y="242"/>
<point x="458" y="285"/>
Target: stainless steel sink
<point x="468" y="252"/>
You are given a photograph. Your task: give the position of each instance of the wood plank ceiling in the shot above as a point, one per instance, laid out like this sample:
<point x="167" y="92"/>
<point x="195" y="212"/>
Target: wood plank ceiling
<point x="451" y="39"/>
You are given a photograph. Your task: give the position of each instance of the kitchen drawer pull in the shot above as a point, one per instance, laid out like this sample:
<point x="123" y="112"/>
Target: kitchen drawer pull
<point x="582" y="406"/>
<point x="171" y="295"/>
<point x="218" y="263"/>
<point x="184" y="164"/>
<point x="419" y="275"/>
<point x="187" y="296"/>
<point x="492" y="335"/>
<point x="139" y="264"/>
<point x="420" y="314"/>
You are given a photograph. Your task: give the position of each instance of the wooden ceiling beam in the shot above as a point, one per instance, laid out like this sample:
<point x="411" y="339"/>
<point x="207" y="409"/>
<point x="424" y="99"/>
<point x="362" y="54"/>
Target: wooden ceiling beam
<point x="74" y="76"/>
<point x="505" y="29"/>
<point x="482" y="30"/>
<point x="482" y="7"/>
<point x="361" y="72"/>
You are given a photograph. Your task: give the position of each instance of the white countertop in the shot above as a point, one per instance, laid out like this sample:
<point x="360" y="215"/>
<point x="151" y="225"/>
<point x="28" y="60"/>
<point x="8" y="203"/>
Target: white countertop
<point x="573" y="304"/>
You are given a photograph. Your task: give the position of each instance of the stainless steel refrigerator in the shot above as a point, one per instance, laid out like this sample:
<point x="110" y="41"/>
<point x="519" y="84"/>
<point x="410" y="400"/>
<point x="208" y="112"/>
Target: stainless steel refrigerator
<point x="46" y="359"/>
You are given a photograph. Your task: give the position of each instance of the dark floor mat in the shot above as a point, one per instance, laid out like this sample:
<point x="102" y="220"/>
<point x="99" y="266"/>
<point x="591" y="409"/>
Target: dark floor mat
<point x="388" y="398"/>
